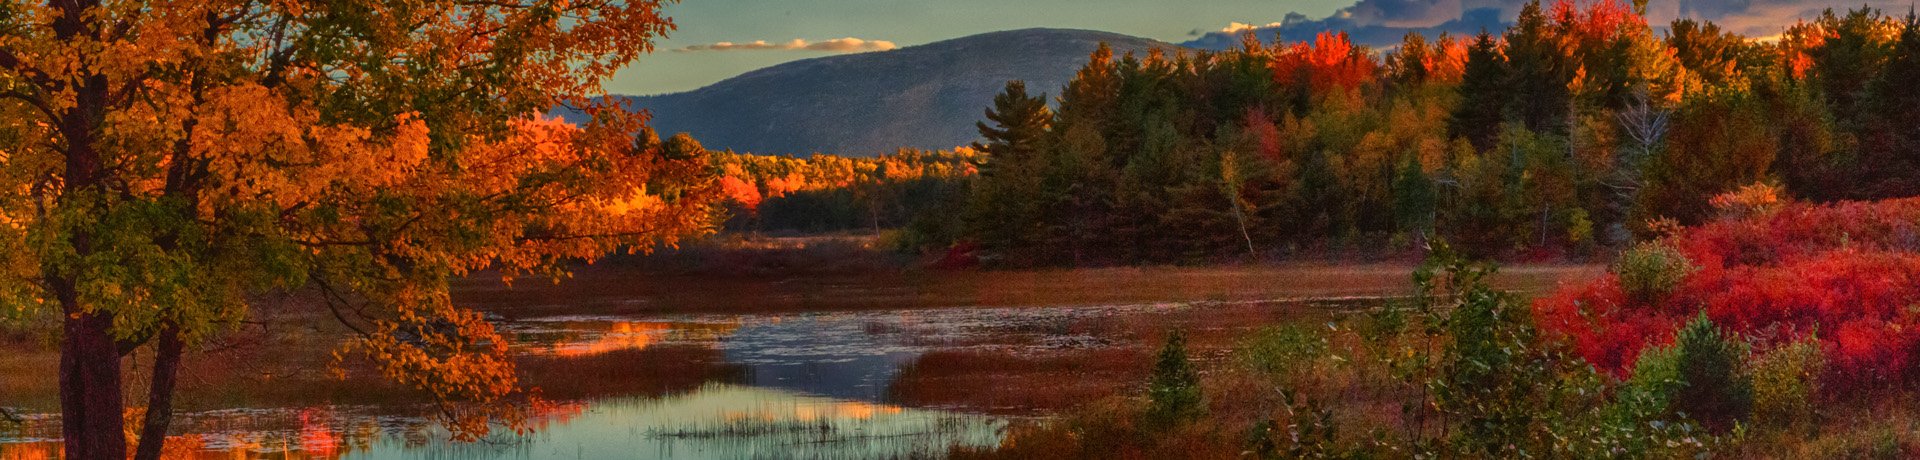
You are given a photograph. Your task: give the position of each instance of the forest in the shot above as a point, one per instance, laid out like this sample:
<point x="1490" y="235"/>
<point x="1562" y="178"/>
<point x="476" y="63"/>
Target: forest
<point x="248" y="228"/>
<point x="1579" y="128"/>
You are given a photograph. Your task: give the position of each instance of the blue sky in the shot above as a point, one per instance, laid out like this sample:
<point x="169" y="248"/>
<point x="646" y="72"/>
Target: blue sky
<point x="792" y="30"/>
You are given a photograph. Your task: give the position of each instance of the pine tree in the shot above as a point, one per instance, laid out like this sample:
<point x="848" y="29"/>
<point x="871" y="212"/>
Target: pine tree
<point x="1848" y="59"/>
<point x="1891" y="141"/>
<point x="1483" y="94"/>
<point x="1005" y="209"/>
<point x="1093" y="95"/>
<point x="1020" y="124"/>
<point x="1538" y="73"/>
<point x="1173" y="392"/>
<point x="1414" y="201"/>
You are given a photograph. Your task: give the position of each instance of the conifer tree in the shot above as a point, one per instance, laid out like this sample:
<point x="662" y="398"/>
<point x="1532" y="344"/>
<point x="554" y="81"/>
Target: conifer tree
<point x="1538" y="73"/>
<point x="1483" y="94"/>
<point x="1020" y="124"/>
<point x="1891" y="143"/>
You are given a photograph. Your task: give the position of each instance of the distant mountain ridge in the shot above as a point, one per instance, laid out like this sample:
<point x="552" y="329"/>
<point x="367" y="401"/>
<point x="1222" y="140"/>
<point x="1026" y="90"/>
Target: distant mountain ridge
<point x="925" y="96"/>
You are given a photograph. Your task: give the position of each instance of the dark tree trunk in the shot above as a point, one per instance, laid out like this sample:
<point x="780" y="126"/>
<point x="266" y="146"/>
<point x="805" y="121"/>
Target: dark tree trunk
<point x="90" y="405"/>
<point x="166" y="370"/>
<point x="90" y="399"/>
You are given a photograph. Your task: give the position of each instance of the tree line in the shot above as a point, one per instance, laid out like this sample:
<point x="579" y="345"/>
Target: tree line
<point x="825" y="193"/>
<point x="1576" y="129"/>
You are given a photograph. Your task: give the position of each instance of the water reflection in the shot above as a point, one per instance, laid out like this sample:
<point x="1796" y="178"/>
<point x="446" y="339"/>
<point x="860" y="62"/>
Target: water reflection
<point x="717" y="421"/>
<point x="588" y="336"/>
<point x="728" y="421"/>
<point x="807" y="385"/>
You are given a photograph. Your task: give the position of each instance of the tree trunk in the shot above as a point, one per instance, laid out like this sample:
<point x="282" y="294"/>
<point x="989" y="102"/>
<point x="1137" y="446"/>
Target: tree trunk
<point x="90" y="405"/>
<point x="90" y="399"/>
<point x="166" y="370"/>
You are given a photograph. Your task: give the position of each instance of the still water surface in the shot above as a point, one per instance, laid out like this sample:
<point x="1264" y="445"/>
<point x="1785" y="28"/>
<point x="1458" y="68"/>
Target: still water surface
<point x="812" y="385"/>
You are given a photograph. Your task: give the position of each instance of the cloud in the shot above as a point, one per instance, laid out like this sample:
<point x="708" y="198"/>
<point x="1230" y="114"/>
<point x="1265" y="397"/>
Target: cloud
<point x="1377" y="34"/>
<point x="1238" y="27"/>
<point x="1402" y="13"/>
<point x="1382" y="23"/>
<point x="838" y="45"/>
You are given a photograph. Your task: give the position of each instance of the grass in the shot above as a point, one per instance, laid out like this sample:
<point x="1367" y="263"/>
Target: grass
<point x="280" y="360"/>
<point x="1011" y="383"/>
<point x="1293" y="373"/>
<point x="615" y="290"/>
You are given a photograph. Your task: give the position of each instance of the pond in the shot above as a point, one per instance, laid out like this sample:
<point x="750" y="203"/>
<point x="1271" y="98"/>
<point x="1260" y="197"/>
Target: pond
<point x="787" y="385"/>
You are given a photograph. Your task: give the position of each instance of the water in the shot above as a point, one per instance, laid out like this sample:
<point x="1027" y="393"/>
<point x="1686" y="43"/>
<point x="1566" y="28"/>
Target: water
<point x="719" y="421"/>
<point x="804" y="385"/>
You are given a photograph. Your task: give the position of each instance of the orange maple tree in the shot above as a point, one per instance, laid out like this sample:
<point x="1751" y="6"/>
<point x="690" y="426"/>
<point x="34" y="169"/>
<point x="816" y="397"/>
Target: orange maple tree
<point x="165" y="159"/>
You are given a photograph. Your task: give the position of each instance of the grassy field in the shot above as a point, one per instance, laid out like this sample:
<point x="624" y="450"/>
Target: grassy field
<point x="609" y="289"/>
<point x="281" y="359"/>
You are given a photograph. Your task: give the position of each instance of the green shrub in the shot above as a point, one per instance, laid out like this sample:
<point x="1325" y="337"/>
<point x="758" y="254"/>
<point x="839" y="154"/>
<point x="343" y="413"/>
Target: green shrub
<point x="1306" y="431"/>
<point x="1656" y="377"/>
<point x="1784" y="382"/>
<point x="1282" y="352"/>
<point x="1651" y="270"/>
<point x="1508" y="393"/>
<point x="1638" y="422"/>
<point x="1174" y="391"/>
<point x="1716" y="391"/>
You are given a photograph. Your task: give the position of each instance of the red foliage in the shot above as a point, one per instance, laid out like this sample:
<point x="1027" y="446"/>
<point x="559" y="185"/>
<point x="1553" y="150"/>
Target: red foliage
<point x="1330" y="61"/>
<point x="1447" y="62"/>
<point x="1600" y="22"/>
<point x="740" y="191"/>
<point x="1847" y="274"/>
<point x="962" y="255"/>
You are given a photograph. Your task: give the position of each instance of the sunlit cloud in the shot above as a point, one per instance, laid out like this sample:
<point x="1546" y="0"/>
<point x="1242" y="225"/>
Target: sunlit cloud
<point x="1238" y="27"/>
<point x="838" y="45"/>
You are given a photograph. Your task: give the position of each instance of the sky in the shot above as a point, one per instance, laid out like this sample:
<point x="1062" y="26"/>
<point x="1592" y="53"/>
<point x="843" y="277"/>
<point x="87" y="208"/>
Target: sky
<point x="718" y="39"/>
<point x="906" y="23"/>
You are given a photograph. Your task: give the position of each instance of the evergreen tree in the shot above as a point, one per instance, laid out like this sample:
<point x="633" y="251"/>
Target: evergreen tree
<point x="1538" y="73"/>
<point x="1173" y="392"/>
<point x="1005" y="208"/>
<point x="1093" y="95"/>
<point x="1414" y="200"/>
<point x="1483" y="94"/>
<point x="1847" y="60"/>
<point x="1891" y="141"/>
<point x="1020" y="123"/>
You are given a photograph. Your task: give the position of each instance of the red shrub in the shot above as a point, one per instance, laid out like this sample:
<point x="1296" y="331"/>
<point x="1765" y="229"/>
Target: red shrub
<point x="1848" y="274"/>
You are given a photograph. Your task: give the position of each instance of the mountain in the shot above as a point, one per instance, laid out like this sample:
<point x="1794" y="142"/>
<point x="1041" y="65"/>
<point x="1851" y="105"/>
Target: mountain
<point x="1298" y="28"/>
<point x="925" y="96"/>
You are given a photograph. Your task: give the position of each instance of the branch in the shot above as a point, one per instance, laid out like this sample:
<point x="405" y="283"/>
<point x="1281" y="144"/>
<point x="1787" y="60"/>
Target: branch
<point x="34" y="101"/>
<point x="334" y="301"/>
<point x="10" y="61"/>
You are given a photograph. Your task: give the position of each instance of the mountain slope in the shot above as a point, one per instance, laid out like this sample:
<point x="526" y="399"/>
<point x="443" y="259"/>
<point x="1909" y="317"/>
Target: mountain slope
<point x="925" y="96"/>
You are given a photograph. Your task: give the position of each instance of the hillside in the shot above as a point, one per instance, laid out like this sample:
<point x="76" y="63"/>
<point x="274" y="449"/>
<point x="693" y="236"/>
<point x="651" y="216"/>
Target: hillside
<point x="925" y="96"/>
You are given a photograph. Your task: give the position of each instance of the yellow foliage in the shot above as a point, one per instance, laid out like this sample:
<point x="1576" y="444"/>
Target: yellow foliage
<point x="166" y="160"/>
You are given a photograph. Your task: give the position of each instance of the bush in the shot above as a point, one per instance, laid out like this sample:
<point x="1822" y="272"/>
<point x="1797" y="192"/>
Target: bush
<point x="1656" y="379"/>
<point x="1174" y="390"/>
<point x="1282" y="352"/>
<point x="1784" y="382"/>
<point x="1850" y="271"/>
<point x="1512" y="394"/>
<point x="1651" y="270"/>
<point x="1755" y="200"/>
<point x="1308" y="431"/>
<point x="1714" y="386"/>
